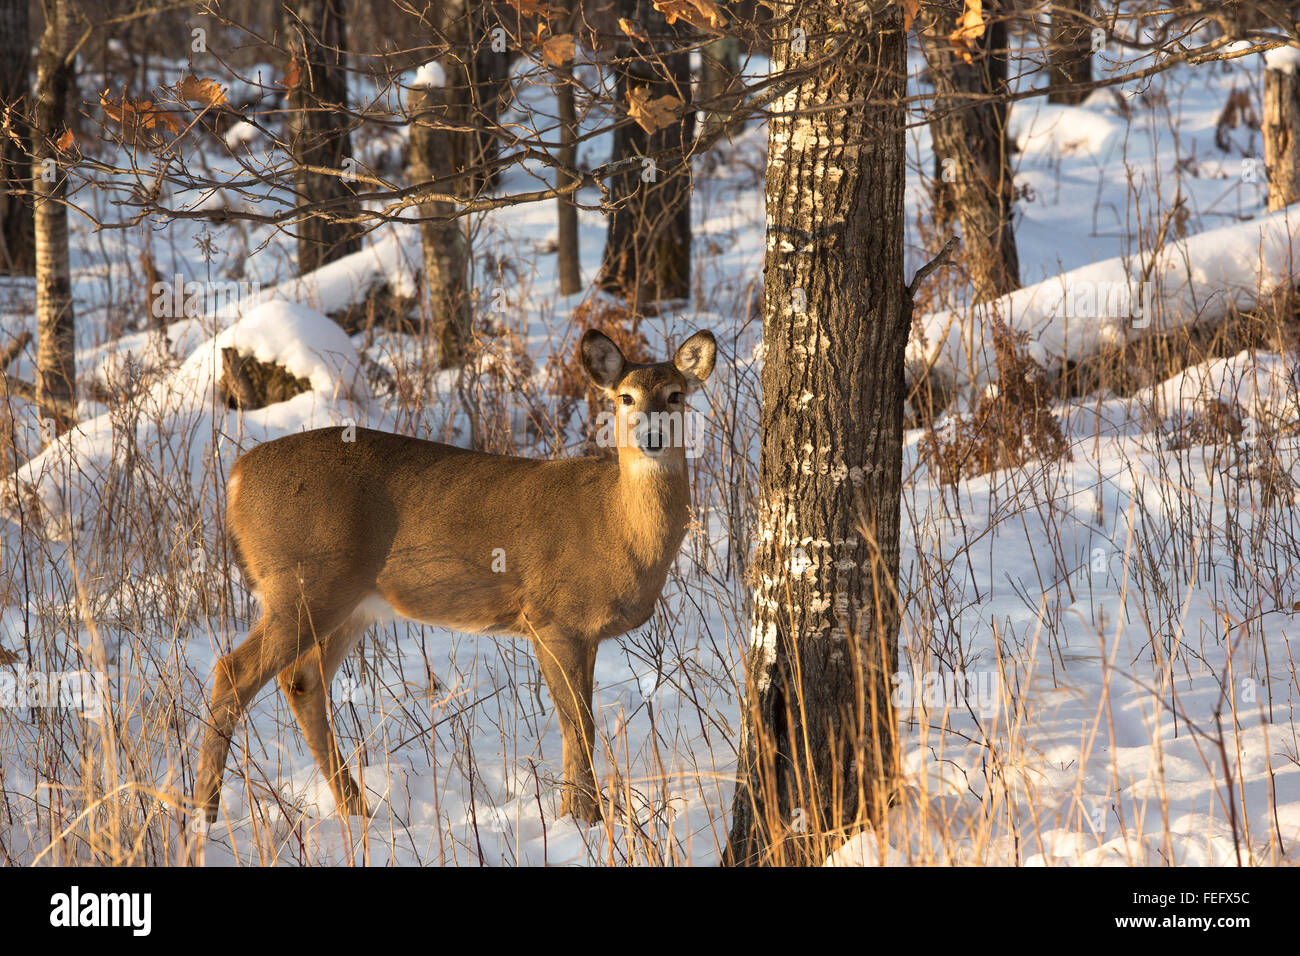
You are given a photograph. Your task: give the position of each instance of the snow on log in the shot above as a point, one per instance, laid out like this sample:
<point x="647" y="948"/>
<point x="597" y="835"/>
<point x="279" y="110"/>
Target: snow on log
<point x="430" y="75"/>
<point x="1072" y="316"/>
<point x="388" y="268"/>
<point x="184" y="420"/>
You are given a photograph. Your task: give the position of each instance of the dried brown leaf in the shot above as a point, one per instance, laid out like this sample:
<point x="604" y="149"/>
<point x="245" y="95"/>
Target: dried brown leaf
<point x="292" y="76"/>
<point x="704" y="14"/>
<point x="651" y="115"/>
<point x="632" y="30"/>
<point x="208" y="93"/>
<point x="558" y="50"/>
<point x="138" y="114"/>
<point x="534" y="8"/>
<point x="911" y="9"/>
<point x="969" y="29"/>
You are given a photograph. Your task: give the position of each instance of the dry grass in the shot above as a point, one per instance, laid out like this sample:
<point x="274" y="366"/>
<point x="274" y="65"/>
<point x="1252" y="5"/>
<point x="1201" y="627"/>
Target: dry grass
<point x="142" y="589"/>
<point x="1013" y="421"/>
<point x="128" y="588"/>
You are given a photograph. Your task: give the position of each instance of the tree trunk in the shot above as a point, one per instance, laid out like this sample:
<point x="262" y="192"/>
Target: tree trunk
<point x="1069" y="55"/>
<point x="1282" y="136"/>
<point x="648" y="241"/>
<point x="818" y="742"/>
<point x="720" y="66"/>
<point x="969" y="128"/>
<point x="55" y="319"/>
<point x="568" y="254"/>
<point x="17" y="225"/>
<point x="318" y="130"/>
<point x="444" y="241"/>
<point x="477" y="77"/>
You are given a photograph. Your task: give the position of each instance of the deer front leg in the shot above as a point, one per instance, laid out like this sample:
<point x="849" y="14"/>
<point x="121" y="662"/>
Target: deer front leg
<point x="568" y="666"/>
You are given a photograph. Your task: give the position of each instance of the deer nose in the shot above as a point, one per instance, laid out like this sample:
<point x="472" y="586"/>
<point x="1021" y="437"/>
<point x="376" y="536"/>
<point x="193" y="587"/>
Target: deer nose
<point x="649" y="439"/>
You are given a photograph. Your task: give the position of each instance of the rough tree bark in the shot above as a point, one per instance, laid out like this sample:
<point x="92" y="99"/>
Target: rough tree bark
<point x="1069" y="55"/>
<point x="969" y="127"/>
<point x="318" y="132"/>
<point x="1282" y="131"/>
<point x="647" y="254"/>
<point x="55" y="318"/>
<point x="17" y="224"/>
<point x="477" y="77"/>
<point x="568" y="255"/>
<point x="444" y="242"/>
<point x="818" y="741"/>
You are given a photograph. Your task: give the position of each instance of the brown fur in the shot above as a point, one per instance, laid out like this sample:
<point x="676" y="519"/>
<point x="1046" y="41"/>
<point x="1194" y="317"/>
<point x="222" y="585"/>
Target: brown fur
<point x="323" y="526"/>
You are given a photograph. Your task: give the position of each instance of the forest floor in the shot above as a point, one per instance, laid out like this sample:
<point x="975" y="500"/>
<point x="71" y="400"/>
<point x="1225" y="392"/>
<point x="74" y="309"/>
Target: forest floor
<point x="1096" y="663"/>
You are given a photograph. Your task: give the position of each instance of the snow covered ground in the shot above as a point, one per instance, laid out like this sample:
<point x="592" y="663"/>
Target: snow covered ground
<point x="1097" y="664"/>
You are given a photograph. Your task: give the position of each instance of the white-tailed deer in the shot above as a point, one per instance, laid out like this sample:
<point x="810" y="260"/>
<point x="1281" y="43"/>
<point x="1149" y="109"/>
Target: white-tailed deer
<point x="332" y="533"/>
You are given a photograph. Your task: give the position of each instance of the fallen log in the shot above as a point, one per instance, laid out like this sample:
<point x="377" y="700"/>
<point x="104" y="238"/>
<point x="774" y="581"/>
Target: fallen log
<point x="1070" y="317"/>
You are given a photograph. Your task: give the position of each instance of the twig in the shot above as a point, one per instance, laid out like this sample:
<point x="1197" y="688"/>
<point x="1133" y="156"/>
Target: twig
<point x="13" y="348"/>
<point x="66" y="410"/>
<point x="923" y="273"/>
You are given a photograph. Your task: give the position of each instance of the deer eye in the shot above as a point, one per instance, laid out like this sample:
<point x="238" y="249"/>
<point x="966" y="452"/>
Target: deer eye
<point x="676" y="398"/>
<point x="626" y="399"/>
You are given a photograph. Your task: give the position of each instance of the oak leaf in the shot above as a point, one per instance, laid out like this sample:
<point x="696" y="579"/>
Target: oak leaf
<point x="969" y="29"/>
<point x="534" y="8"/>
<point x="651" y="115"/>
<point x="138" y="114"/>
<point x="911" y="8"/>
<point x="558" y="50"/>
<point x="292" y="76"/>
<point x="7" y="127"/>
<point x="704" y="14"/>
<point x="632" y="30"/>
<point x="206" y="92"/>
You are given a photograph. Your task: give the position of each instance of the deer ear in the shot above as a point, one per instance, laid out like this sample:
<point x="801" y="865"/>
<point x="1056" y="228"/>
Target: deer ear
<point x="601" y="359"/>
<point x="695" y="358"/>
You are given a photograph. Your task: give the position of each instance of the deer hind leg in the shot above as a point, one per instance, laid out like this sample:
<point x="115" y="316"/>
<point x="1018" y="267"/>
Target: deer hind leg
<point x="238" y="677"/>
<point x="274" y="643"/>
<point x="568" y="667"/>
<point x="305" y="684"/>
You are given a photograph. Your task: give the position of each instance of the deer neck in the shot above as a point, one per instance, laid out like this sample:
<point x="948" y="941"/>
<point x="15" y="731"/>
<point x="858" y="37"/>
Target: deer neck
<point x="654" y="500"/>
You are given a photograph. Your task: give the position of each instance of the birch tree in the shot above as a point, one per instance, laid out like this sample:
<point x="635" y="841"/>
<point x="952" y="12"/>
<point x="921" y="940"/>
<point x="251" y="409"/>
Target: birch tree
<point x="55" y="317"/>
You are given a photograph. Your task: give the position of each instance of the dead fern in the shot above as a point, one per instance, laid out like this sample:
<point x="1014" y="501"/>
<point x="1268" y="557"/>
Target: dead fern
<point x="1012" y="423"/>
<point x="1214" y="423"/>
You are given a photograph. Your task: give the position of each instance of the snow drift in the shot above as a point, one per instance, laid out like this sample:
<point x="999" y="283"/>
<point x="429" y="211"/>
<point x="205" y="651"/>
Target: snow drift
<point x="183" y="419"/>
<point x="1069" y="317"/>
